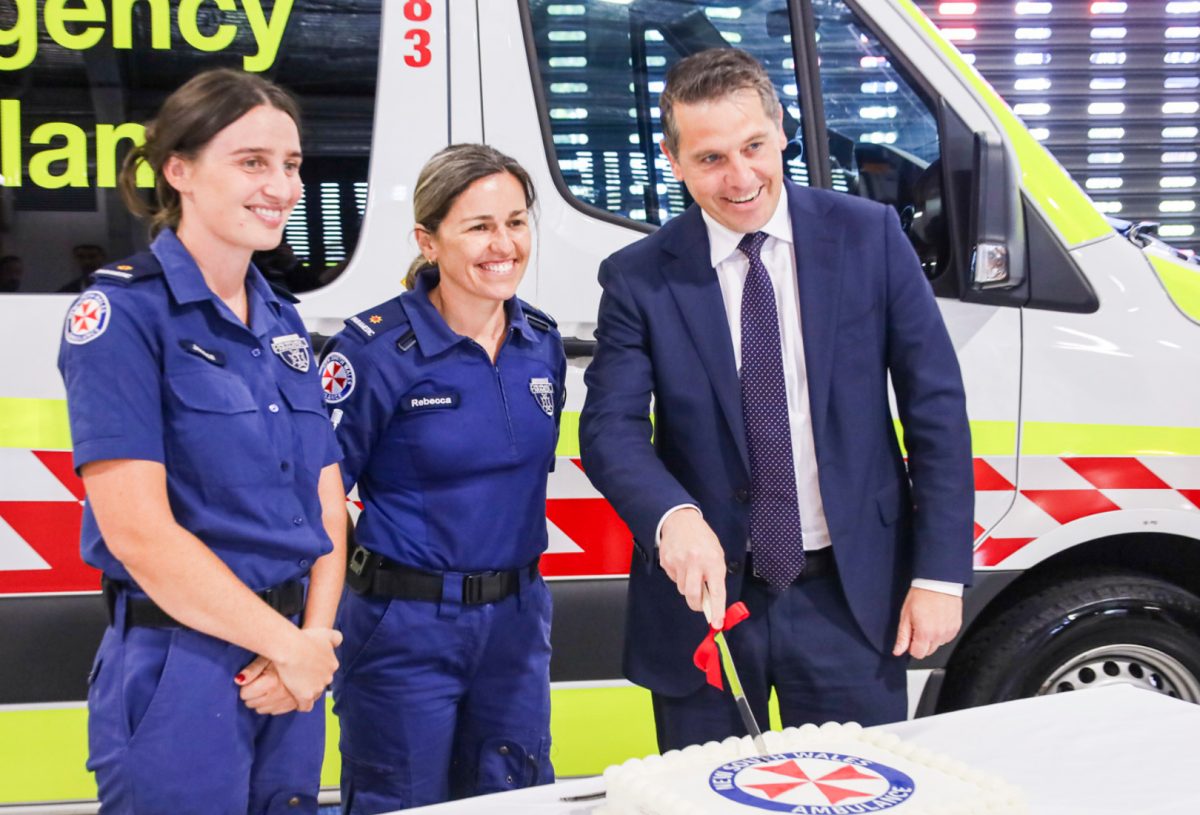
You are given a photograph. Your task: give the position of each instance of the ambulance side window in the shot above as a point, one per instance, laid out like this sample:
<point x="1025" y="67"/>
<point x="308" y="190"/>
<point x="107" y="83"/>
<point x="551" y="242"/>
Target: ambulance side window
<point x="601" y="67"/>
<point x="76" y="86"/>
<point x="883" y="134"/>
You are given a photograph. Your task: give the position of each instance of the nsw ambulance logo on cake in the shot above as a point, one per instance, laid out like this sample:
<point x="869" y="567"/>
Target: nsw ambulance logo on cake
<point x="88" y="318"/>
<point x="812" y="783"/>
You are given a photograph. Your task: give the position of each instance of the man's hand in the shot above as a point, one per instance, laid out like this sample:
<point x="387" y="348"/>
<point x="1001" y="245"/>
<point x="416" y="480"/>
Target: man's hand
<point x="692" y="556"/>
<point x="261" y="689"/>
<point x="307" y="667"/>
<point x="928" y="620"/>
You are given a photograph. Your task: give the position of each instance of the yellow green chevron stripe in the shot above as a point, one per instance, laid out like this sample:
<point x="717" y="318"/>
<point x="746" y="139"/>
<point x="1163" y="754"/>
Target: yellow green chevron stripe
<point x="43" y="749"/>
<point x="1042" y="177"/>
<point x="1182" y="282"/>
<point x="34" y="424"/>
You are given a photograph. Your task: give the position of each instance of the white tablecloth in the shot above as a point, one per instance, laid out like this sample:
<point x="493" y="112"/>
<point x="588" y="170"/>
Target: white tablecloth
<point x="1110" y="751"/>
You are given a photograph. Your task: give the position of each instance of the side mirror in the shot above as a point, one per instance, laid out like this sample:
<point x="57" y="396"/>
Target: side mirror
<point x="997" y="230"/>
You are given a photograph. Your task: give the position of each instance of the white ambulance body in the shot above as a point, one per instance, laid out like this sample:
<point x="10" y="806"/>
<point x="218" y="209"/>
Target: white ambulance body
<point x="1078" y="340"/>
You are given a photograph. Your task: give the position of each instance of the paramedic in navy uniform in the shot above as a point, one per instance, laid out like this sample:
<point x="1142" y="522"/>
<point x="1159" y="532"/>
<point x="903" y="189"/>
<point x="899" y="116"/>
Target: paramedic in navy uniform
<point x="446" y="401"/>
<point x="213" y="491"/>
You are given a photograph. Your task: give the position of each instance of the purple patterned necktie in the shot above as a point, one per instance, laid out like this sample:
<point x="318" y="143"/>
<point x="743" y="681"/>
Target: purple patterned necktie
<point x="775" y="535"/>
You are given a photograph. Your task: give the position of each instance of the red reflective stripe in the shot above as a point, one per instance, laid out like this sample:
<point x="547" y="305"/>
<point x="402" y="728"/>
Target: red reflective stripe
<point x="988" y="479"/>
<point x="1191" y="495"/>
<point x="994" y="550"/>
<point x="1065" y="506"/>
<point x="1116" y="473"/>
<point x="52" y="529"/>
<point x="594" y="526"/>
<point x="60" y="463"/>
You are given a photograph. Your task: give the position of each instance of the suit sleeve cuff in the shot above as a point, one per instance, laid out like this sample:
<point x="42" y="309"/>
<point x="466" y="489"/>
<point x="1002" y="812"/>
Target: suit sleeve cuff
<point x="667" y="514"/>
<point x="942" y="586"/>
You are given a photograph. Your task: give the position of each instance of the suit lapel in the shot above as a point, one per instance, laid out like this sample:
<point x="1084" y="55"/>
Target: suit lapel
<point x="693" y="283"/>
<point x="818" y="246"/>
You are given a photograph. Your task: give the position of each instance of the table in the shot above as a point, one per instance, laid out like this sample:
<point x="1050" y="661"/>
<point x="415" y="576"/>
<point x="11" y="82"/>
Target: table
<point x="1110" y="751"/>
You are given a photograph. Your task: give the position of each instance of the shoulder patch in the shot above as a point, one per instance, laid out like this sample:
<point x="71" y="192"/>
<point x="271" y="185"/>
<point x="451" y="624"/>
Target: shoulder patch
<point x="337" y="378"/>
<point x="124" y="272"/>
<point x="375" y="321"/>
<point x="88" y="318"/>
<point x="538" y="318"/>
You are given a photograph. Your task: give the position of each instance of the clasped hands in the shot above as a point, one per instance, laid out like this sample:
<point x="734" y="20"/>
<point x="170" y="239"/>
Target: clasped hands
<point x="692" y="557"/>
<point x="296" y="679"/>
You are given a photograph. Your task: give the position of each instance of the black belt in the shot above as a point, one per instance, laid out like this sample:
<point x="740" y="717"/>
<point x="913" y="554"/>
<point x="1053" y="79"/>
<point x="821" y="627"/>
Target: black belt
<point x="370" y="573"/>
<point x="817" y="563"/>
<point x="286" y="598"/>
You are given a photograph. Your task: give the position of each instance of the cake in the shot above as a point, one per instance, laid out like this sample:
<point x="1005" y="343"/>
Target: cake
<point x="834" y="769"/>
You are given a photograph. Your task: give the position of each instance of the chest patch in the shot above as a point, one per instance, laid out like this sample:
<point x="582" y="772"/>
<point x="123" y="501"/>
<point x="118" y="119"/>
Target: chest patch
<point x="429" y="401"/>
<point x="543" y="391"/>
<point x="293" y="350"/>
<point x="88" y="318"/>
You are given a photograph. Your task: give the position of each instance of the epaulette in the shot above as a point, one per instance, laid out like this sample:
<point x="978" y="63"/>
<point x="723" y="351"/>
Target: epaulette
<point x="124" y="272"/>
<point x="282" y="292"/>
<point x="378" y="320"/>
<point x="538" y="318"/>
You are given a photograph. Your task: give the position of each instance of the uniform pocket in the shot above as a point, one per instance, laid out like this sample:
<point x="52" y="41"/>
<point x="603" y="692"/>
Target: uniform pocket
<point x="890" y="501"/>
<point x="147" y="674"/>
<point x="310" y="428"/>
<point x="361" y="620"/>
<point x="216" y="431"/>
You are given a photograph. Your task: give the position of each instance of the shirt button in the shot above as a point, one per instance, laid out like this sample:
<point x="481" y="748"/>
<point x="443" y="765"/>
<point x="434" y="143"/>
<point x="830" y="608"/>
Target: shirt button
<point x="741" y="495"/>
<point x="508" y="779"/>
<point x="273" y="408"/>
<point x="298" y="521"/>
<point x="504" y="749"/>
<point x="284" y="466"/>
<point x="303" y="564"/>
<point x="256" y="352"/>
<point x="294" y="801"/>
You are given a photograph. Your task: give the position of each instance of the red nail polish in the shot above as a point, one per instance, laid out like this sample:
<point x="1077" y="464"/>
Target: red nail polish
<point x="240" y="678"/>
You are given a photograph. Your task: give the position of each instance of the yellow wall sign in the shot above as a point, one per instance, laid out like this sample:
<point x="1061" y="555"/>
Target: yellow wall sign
<point x="79" y="25"/>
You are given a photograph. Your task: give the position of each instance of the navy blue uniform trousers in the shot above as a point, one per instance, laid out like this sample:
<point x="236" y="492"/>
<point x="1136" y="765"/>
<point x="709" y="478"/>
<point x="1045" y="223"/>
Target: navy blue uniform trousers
<point x="168" y="732"/>
<point x="804" y="643"/>
<point x="441" y="700"/>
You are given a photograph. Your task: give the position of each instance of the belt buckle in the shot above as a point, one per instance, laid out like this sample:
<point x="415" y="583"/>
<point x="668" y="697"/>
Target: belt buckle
<point x="472" y="588"/>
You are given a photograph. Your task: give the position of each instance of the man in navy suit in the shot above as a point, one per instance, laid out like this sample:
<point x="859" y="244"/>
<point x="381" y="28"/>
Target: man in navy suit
<point x="764" y="322"/>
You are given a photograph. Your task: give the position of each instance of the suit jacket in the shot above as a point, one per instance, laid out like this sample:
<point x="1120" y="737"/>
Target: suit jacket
<point x="866" y="311"/>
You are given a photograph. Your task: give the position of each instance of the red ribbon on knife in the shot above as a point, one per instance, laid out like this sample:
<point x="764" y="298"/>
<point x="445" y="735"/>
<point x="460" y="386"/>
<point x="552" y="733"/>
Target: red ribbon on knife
<point x="707" y="657"/>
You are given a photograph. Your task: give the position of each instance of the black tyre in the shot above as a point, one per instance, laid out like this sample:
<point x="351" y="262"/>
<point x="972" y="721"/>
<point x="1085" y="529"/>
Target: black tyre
<point x="1085" y="632"/>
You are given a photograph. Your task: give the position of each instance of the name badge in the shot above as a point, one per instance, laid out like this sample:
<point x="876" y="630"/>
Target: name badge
<point x="429" y="401"/>
<point x="193" y="347"/>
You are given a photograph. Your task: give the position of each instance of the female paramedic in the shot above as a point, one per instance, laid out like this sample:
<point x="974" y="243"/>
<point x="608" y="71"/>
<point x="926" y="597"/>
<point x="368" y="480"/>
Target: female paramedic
<point x="214" y="501"/>
<point x="446" y="401"/>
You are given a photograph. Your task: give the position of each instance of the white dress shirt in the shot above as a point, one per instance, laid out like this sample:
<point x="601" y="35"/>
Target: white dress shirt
<point x="779" y="257"/>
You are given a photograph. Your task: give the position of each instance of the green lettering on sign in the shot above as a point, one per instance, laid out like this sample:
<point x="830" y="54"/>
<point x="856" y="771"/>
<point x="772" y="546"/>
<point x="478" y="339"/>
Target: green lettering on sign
<point x="58" y="14"/>
<point x="74" y="153"/>
<point x="23" y="34"/>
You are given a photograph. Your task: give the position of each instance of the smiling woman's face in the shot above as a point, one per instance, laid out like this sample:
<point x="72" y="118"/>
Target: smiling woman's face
<point x="240" y="188"/>
<point x="482" y="245"/>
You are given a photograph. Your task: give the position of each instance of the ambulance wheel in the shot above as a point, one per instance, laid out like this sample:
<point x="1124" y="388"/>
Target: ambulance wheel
<point x="1087" y="632"/>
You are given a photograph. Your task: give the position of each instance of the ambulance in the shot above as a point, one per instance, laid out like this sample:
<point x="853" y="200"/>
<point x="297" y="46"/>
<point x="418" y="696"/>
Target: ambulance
<point x="1078" y="336"/>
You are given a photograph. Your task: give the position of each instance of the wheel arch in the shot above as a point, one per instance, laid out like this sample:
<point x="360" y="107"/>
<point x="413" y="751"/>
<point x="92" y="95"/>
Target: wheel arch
<point x="1171" y="558"/>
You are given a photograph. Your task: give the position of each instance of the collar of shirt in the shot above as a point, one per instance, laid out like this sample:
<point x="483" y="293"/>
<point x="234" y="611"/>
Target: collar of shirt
<point x="723" y="241"/>
<point x="187" y="285"/>
<point x="433" y="334"/>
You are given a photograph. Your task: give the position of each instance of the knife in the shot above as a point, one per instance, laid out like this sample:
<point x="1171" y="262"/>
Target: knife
<point x="735" y="684"/>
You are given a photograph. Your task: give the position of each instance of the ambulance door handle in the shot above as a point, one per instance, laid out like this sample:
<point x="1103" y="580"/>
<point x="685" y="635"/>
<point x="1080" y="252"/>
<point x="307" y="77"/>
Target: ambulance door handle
<point x="576" y="347"/>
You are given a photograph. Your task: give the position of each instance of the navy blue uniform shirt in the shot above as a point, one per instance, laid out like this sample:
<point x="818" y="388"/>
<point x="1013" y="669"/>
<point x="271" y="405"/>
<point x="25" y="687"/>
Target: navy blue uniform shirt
<point x="450" y="452"/>
<point x="158" y="368"/>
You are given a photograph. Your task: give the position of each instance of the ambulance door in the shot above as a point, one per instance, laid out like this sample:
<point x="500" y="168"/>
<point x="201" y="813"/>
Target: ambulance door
<point x="900" y="127"/>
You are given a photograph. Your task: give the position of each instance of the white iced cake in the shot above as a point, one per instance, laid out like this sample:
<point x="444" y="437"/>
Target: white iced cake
<point x="835" y="769"/>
